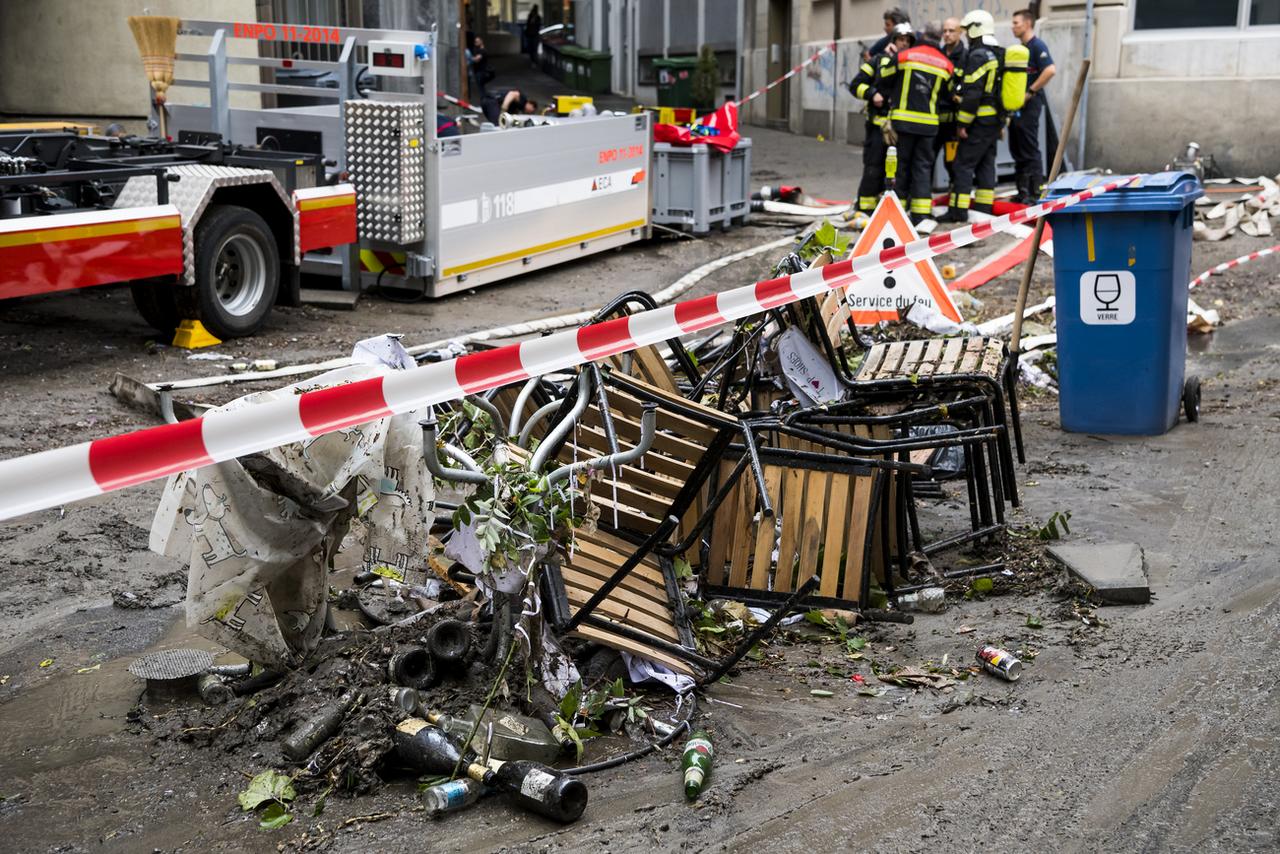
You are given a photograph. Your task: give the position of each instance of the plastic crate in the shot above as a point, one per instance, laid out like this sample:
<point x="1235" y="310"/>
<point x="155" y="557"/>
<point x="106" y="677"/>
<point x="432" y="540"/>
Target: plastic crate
<point x="696" y="187"/>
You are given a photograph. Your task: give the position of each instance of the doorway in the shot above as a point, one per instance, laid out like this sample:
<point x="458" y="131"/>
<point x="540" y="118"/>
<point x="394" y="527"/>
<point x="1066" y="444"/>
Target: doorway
<point x="779" y="58"/>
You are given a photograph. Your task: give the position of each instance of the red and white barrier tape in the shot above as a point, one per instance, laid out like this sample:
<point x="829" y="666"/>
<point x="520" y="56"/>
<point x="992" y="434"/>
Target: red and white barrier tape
<point x="792" y="73"/>
<point x="461" y="103"/>
<point x="51" y="478"/>
<point x="1243" y="259"/>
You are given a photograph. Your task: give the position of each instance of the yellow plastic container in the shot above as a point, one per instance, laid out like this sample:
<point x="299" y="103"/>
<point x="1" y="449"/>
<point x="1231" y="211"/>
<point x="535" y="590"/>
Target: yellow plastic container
<point x="566" y="104"/>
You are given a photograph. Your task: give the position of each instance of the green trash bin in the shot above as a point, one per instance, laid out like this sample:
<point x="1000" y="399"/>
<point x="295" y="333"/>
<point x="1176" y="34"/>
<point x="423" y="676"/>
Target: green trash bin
<point x="594" y="71"/>
<point x="570" y="63"/>
<point x="675" y="80"/>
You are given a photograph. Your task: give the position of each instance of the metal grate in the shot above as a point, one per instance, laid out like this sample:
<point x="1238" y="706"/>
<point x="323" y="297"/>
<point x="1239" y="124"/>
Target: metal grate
<point x="385" y="159"/>
<point x="171" y="664"/>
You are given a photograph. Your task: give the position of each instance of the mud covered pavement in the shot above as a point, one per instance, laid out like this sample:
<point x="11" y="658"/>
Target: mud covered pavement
<point x="1145" y="727"/>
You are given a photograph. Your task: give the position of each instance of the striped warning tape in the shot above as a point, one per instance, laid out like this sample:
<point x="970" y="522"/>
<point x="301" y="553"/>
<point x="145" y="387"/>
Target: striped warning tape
<point x="1235" y="262"/>
<point x="792" y="73"/>
<point x="51" y="478"/>
<point x="466" y="105"/>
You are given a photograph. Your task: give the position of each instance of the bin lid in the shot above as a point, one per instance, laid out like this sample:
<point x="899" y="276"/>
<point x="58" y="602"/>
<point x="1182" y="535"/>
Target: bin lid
<point x="676" y="62"/>
<point x="1159" y="191"/>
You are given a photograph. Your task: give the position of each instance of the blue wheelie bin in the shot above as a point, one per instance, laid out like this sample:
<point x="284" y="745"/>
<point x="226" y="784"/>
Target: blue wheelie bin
<point x="1121" y="266"/>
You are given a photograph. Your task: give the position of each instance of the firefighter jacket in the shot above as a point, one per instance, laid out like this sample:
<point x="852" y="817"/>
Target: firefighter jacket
<point x="869" y="80"/>
<point x="947" y="101"/>
<point x="978" y="86"/>
<point x="921" y="75"/>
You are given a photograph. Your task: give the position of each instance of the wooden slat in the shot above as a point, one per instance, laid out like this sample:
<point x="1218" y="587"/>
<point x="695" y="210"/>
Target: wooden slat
<point x="911" y="359"/>
<point x="817" y="483"/>
<point x="932" y="353"/>
<point x="722" y="530"/>
<point x="609" y="639"/>
<point x="837" y="522"/>
<point x="992" y="356"/>
<point x="641" y="600"/>
<point x="600" y="562"/>
<point x="707" y="413"/>
<point x="742" y="539"/>
<point x="861" y="514"/>
<point x="871" y="364"/>
<point x="892" y="359"/>
<point x="792" y="506"/>
<point x="672" y="422"/>
<point x="972" y="353"/>
<point x="653" y="369"/>
<point x="628" y="432"/>
<point x="625" y="614"/>
<point x="592" y="440"/>
<point x="766" y="532"/>
<point x="951" y="356"/>
<point x="627" y="517"/>
<point x="612" y="553"/>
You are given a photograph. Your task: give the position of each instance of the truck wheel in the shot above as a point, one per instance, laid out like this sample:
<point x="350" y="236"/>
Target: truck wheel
<point x="156" y="300"/>
<point x="237" y="272"/>
<point x="1191" y="398"/>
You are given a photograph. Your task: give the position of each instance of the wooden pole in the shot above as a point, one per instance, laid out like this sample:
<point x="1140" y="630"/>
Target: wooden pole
<point x="1015" y="338"/>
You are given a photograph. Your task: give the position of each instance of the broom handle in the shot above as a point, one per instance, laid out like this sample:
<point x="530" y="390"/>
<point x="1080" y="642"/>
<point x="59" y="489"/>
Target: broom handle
<point x="1015" y="338"/>
<point x="164" y="133"/>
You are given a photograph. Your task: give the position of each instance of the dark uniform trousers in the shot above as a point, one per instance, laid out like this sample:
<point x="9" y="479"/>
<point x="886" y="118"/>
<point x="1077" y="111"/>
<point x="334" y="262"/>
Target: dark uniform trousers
<point x="915" y="170"/>
<point x="872" y="183"/>
<point x="1024" y="144"/>
<point x="976" y="165"/>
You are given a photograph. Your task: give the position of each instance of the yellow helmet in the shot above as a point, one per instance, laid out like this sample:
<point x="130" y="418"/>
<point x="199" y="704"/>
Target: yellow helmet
<point x="978" y="23"/>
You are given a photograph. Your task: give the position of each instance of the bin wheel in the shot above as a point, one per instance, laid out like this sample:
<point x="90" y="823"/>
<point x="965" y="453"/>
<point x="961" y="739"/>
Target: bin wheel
<point x="237" y="272"/>
<point x="1191" y="398"/>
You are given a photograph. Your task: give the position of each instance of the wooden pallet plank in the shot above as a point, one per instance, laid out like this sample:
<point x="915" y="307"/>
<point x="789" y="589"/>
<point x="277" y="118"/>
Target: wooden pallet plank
<point x="792" y="506"/>
<point x="951" y="354"/>
<point x="837" y="523"/>
<point x="722" y="527"/>
<point x="742" y="539"/>
<point x="911" y="359"/>
<point x="625" y="614"/>
<point x="861" y="514"/>
<point x="766" y="532"/>
<point x="641" y="600"/>
<point x="932" y="353"/>
<point x="607" y="638"/>
<point x="817" y="485"/>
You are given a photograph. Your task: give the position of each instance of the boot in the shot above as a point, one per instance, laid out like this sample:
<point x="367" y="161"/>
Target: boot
<point x="1035" y="183"/>
<point x="955" y="214"/>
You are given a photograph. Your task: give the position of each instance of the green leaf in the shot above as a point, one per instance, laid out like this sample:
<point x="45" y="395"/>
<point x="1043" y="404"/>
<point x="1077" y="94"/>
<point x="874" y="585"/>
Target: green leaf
<point x="616" y="688"/>
<point x="267" y="786"/>
<point x="825" y="235"/>
<point x="856" y="644"/>
<point x="1034" y="622"/>
<point x="821" y="692"/>
<point x="682" y="568"/>
<point x="274" y="816"/>
<point x="817" y="618"/>
<point x="572" y="702"/>
<point x="982" y="585"/>
<point x="755" y="653"/>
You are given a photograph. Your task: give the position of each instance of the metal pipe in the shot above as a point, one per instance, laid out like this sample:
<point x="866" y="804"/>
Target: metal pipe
<point x="432" y="459"/>
<point x="499" y="423"/>
<point x="560" y="430"/>
<point x="535" y="419"/>
<point x="517" y="411"/>
<point x="648" y="427"/>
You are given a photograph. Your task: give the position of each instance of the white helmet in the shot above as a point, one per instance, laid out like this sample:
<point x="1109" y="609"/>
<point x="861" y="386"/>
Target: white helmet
<point x="904" y="29"/>
<point x="978" y="23"/>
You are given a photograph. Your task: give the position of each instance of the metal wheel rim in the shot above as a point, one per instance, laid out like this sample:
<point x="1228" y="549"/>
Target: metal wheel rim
<point x="239" y="275"/>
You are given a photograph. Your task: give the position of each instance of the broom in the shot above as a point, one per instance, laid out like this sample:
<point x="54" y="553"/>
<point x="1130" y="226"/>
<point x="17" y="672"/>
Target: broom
<point x="157" y="39"/>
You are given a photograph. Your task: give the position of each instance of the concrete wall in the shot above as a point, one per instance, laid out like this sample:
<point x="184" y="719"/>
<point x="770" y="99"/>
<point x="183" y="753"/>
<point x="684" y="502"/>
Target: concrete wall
<point x="76" y="57"/>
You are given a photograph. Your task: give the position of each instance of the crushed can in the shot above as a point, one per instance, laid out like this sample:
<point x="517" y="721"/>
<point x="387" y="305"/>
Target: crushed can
<point x="999" y="662"/>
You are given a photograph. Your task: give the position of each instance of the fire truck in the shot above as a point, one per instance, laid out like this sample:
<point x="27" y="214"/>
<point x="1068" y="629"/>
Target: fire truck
<point x="218" y="222"/>
<point x="209" y="232"/>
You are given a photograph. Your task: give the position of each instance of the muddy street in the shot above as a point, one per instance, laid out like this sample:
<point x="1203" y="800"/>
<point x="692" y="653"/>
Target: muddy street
<point x="1145" y="727"/>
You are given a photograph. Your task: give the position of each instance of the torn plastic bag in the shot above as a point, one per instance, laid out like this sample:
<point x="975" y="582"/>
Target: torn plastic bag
<point x="945" y="462"/>
<point x="261" y="532"/>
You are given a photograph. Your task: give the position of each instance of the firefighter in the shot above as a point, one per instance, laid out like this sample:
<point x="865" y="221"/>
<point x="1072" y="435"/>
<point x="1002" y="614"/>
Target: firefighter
<point x="921" y="78"/>
<point x="871" y="85"/>
<point x="953" y="47"/>
<point x="1024" y="125"/>
<point x="979" y="118"/>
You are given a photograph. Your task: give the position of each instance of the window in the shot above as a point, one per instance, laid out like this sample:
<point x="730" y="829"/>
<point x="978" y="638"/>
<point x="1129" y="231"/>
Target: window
<point x="1262" y="12"/>
<point x="1188" y="14"/>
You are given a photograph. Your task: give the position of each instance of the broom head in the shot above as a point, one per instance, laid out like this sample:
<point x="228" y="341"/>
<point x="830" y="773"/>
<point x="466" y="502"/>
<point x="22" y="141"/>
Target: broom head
<point x="157" y="39"/>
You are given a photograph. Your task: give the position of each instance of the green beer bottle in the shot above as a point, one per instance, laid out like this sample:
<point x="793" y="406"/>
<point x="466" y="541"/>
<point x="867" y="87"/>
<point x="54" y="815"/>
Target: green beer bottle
<point x="696" y="763"/>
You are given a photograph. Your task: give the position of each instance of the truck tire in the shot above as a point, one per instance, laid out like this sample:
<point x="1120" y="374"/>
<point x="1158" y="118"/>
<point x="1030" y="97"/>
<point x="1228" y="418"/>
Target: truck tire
<point x="237" y="272"/>
<point x="157" y="302"/>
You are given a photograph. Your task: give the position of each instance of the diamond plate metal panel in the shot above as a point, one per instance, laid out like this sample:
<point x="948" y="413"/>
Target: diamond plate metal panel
<point x="385" y="150"/>
<point x="192" y="193"/>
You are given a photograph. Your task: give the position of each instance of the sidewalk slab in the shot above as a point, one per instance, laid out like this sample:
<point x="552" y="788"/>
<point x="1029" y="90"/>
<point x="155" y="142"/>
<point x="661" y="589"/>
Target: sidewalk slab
<point x="1117" y="571"/>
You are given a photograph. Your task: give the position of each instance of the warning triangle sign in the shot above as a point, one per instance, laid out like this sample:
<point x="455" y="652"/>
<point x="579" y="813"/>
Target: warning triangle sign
<point x="882" y="296"/>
